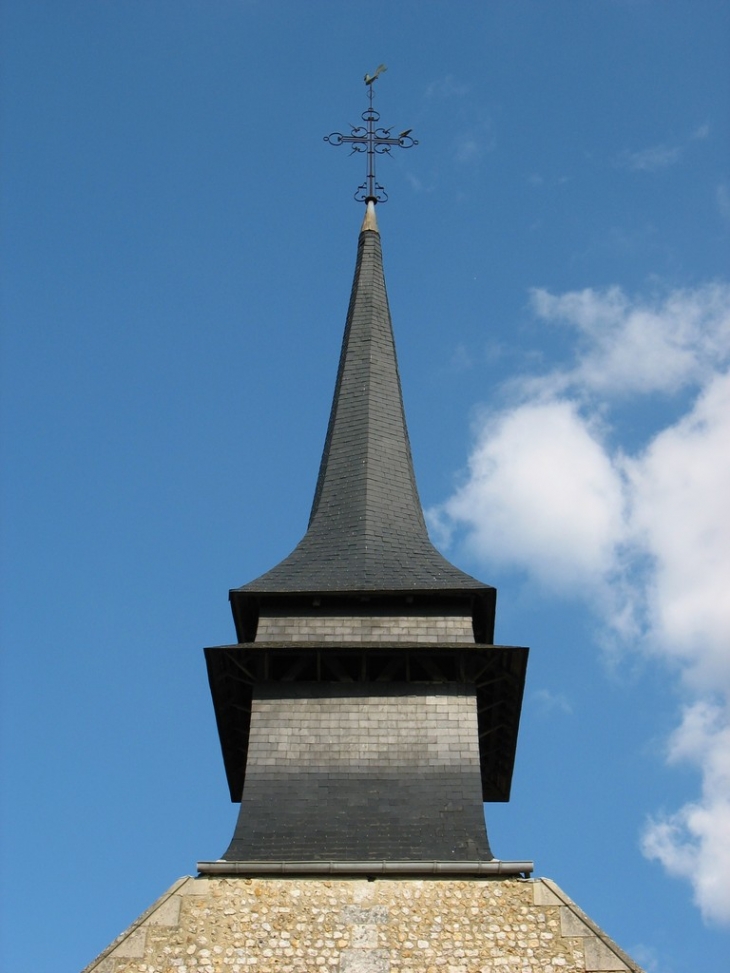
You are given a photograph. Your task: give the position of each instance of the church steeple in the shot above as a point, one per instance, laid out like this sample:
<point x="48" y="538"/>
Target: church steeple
<point x="366" y="531"/>
<point x="365" y="713"/>
<point x="364" y="718"/>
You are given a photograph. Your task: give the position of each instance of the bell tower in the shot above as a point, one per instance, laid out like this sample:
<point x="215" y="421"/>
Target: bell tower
<point x="365" y="714"/>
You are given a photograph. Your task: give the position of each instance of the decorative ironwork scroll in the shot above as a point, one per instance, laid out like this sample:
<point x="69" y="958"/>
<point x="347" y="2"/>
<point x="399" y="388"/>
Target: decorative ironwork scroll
<point x="373" y="140"/>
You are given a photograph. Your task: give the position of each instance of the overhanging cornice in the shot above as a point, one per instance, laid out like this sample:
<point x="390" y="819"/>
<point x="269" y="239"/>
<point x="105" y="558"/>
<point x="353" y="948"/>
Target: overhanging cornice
<point x="496" y="672"/>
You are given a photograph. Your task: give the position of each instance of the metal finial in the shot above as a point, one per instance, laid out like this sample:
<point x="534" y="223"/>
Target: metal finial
<point x="373" y="141"/>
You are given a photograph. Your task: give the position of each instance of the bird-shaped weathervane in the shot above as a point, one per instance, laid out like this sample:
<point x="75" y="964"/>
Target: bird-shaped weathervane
<point x="372" y="140"/>
<point x="369" y="78"/>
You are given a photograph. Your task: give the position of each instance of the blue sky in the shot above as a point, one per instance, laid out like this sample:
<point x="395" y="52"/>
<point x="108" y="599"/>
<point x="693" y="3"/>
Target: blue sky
<point x="178" y="247"/>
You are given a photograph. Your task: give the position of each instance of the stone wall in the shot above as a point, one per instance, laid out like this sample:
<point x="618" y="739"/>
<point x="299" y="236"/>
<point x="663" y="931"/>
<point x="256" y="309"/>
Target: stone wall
<point x="241" y="925"/>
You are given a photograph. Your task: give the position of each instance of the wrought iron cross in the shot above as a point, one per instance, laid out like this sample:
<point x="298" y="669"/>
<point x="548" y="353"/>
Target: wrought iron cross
<point x="374" y="141"/>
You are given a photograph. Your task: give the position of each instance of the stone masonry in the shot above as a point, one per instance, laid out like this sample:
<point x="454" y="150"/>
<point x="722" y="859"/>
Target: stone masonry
<point x="241" y="925"/>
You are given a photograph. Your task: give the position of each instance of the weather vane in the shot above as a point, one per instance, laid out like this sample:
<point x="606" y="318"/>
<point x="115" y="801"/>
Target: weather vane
<point x="372" y="140"/>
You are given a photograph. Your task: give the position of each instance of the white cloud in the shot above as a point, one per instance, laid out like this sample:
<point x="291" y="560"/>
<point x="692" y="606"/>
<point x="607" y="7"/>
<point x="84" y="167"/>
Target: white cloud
<point x="418" y="185"/>
<point x="629" y="346"/>
<point x="467" y="149"/>
<point x="651" y="159"/>
<point x="550" y="702"/>
<point x="694" y="842"/>
<point x="663" y="155"/>
<point x="680" y="491"/>
<point x="701" y="132"/>
<point x="539" y="457"/>
<point x="646" y="956"/>
<point x="645" y="537"/>
<point x="472" y="145"/>
<point x="447" y="87"/>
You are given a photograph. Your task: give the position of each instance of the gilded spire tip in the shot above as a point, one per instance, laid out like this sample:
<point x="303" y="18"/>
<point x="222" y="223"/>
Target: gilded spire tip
<point x="370" y="222"/>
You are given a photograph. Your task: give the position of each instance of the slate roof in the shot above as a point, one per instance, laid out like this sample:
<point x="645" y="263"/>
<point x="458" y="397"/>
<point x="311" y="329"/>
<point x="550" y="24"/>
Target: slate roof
<point x="366" y="531"/>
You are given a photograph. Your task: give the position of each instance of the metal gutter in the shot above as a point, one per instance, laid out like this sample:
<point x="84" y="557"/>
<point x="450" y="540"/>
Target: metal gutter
<point x="344" y="868"/>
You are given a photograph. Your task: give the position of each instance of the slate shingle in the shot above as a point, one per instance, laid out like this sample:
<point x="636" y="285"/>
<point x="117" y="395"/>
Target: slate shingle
<point x="366" y="531"/>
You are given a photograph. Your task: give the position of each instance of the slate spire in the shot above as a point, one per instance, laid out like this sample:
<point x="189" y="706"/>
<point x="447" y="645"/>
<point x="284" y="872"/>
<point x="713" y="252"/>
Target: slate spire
<point x="366" y="531"/>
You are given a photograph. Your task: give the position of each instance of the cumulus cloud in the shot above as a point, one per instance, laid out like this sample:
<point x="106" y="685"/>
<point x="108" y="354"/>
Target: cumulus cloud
<point x="541" y="456"/>
<point x="680" y="490"/>
<point x="644" y="535"/>
<point x="693" y="843"/>
<point x="637" y="347"/>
